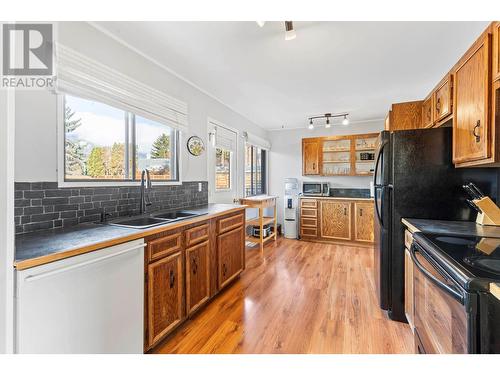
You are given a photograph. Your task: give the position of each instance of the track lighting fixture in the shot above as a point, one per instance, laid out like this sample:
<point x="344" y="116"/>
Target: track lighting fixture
<point x="327" y="116"/>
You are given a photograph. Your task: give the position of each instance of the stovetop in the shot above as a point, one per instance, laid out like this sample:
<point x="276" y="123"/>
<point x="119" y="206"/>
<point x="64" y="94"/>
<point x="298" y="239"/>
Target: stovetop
<point x="473" y="261"/>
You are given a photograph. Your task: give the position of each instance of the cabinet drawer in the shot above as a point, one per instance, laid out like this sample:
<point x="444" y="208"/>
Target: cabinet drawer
<point x="308" y="232"/>
<point x="408" y="239"/>
<point x="196" y="235"/>
<point x="228" y="223"/>
<point x="309" y="222"/>
<point x="309" y="203"/>
<point x="164" y="246"/>
<point x="309" y="212"/>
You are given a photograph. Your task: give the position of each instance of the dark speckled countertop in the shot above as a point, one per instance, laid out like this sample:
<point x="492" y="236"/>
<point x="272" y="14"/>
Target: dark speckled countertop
<point x="465" y="228"/>
<point x="34" y="248"/>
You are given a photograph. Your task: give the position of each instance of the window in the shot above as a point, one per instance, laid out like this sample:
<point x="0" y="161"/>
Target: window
<point x="255" y="171"/>
<point x="222" y="169"/>
<point x="103" y="143"/>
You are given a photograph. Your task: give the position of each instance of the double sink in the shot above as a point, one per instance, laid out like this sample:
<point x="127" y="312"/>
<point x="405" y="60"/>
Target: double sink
<point x="143" y="222"/>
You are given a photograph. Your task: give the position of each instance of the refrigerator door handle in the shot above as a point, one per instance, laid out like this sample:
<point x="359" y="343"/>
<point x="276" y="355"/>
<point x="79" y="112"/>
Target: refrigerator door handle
<point x="377" y="210"/>
<point x="377" y="162"/>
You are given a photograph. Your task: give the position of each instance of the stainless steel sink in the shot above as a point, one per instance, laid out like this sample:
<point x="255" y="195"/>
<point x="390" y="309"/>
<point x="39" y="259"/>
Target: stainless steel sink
<point x="177" y="215"/>
<point x="154" y="220"/>
<point x="139" y="222"/>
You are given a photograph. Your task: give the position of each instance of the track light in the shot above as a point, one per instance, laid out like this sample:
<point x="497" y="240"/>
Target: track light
<point x="311" y="126"/>
<point x="289" y="31"/>
<point x="345" y="121"/>
<point x="327" y="125"/>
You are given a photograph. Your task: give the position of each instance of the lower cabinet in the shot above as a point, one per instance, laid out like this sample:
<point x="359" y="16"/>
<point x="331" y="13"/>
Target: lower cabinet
<point x="231" y="253"/>
<point x="186" y="267"/>
<point x="363" y="221"/>
<point x="197" y="276"/>
<point x="335" y="219"/>
<point x="165" y="296"/>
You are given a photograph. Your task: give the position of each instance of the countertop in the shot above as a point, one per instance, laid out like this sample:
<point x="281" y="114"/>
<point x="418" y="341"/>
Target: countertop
<point x="336" y="198"/>
<point x="455" y="228"/>
<point x="451" y="227"/>
<point x="33" y="249"/>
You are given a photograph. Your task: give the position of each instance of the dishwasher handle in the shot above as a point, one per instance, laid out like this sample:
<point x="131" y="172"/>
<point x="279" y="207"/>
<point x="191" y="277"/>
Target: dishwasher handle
<point x="31" y="278"/>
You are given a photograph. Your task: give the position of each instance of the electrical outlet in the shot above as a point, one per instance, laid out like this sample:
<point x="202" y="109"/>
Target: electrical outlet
<point x="200" y="186"/>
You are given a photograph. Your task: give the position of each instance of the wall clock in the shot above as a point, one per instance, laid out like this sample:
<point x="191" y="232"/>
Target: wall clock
<point x="195" y="145"/>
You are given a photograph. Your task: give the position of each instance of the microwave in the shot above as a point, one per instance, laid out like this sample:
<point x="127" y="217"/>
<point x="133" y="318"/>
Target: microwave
<point x="316" y="188"/>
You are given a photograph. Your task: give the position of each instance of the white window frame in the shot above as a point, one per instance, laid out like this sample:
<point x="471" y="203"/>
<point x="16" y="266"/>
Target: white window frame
<point x="266" y="149"/>
<point x="61" y="181"/>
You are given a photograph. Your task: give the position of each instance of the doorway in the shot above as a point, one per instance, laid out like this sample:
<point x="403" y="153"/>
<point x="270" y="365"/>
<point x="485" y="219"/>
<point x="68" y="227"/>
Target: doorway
<point x="222" y="163"/>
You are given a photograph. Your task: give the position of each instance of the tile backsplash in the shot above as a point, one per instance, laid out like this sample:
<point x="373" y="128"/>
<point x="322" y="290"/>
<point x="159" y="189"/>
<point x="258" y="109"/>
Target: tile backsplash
<point x="42" y="205"/>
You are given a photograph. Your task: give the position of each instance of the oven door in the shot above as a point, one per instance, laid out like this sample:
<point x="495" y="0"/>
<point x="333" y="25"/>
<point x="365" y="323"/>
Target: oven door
<point x="441" y="318"/>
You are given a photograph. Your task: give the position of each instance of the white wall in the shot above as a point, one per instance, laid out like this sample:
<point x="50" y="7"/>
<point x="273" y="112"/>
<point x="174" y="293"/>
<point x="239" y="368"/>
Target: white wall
<point x="285" y="157"/>
<point x="6" y="220"/>
<point x="36" y="158"/>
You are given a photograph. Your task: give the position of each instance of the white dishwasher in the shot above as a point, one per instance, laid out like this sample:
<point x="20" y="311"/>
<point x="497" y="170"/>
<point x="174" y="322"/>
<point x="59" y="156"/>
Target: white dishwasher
<point x="90" y="303"/>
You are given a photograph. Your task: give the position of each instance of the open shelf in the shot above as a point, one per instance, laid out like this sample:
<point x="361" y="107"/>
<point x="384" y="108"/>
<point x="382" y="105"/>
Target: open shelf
<point x="257" y="239"/>
<point x="366" y="149"/>
<point x="337" y="161"/>
<point x="265" y="220"/>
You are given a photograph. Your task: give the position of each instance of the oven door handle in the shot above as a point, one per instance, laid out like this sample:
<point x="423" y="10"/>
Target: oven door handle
<point x="446" y="288"/>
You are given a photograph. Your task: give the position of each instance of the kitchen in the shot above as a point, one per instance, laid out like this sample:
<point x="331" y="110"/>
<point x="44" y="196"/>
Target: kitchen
<point x="148" y="215"/>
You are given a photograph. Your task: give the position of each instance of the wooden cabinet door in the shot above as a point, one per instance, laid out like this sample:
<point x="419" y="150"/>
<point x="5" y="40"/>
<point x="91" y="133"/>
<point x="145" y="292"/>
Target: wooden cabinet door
<point x="197" y="276"/>
<point x="363" y="222"/>
<point x="496" y="51"/>
<point x="471" y="101"/>
<point x="310" y="156"/>
<point x="231" y="252"/>
<point x="336" y="219"/>
<point x="427" y="112"/>
<point x="442" y="99"/>
<point x="165" y="296"/>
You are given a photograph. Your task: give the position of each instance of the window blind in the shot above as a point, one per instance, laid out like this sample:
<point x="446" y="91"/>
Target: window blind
<point x="79" y="75"/>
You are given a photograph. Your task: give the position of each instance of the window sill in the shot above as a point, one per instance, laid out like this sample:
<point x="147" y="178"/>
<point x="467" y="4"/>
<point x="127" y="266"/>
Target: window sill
<point x="77" y="184"/>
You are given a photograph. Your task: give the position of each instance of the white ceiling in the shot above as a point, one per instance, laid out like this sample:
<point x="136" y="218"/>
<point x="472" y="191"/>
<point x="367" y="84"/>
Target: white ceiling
<point x="355" y="67"/>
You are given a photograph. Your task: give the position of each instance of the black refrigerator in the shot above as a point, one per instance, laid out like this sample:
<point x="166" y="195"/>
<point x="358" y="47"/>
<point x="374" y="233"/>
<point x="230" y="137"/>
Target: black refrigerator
<point x="415" y="178"/>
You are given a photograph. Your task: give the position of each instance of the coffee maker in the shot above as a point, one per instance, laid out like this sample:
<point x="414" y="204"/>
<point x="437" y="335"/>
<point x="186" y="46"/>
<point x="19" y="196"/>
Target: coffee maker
<point x="290" y="209"/>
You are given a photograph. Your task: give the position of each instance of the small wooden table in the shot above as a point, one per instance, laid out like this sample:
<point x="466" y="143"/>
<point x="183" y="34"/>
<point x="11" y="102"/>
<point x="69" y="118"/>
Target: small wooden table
<point x="261" y="202"/>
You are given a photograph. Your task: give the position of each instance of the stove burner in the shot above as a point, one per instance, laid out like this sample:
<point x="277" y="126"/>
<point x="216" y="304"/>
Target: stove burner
<point x="484" y="263"/>
<point x="456" y="240"/>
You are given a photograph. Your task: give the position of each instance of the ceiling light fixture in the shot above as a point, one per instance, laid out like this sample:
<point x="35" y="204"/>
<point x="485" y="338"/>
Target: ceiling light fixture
<point x="328" y="116"/>
<point x="261" y="23"/>
<point x="345" y="121"/>
<point x="289" y="31"/>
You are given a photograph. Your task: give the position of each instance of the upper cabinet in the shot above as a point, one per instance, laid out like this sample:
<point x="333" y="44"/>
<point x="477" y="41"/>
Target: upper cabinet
<point x="427" y="112"/>
<point x="310" y="156"/>
<point x="404" y="116"/>
<point x="496" y="50"/>
<point x="472" y="125"/>
<point x="442" y="103"/>
<point x="350" y="155"/>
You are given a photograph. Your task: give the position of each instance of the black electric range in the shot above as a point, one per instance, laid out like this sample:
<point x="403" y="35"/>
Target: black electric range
<point x="454" y="310"/>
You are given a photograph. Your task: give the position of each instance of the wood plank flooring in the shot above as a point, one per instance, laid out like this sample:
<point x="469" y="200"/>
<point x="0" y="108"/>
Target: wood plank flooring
<point x="300" y="297"/>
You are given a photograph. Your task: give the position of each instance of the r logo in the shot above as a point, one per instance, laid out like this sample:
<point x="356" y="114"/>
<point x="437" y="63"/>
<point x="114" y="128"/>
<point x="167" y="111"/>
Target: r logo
<point x="27" y="49"/>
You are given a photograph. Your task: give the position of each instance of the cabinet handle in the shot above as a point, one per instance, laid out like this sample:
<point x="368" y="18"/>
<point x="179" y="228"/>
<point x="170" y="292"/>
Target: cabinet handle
<point x="314" y="166"/>
<point x="224" y="269"/>
<point x="438" y="105"/>
<point x="172" y="279"/>
<point x="477" y="136"/>
<point x="195" y="266"/>
<point x="345" y="211"/>
<point x="360" y="212"/>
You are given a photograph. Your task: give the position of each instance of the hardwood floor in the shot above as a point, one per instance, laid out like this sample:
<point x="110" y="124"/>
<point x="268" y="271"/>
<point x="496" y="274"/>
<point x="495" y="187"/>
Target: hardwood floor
<point x="300" y="297"/>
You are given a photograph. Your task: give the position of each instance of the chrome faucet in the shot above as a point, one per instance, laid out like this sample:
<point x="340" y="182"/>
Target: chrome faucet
<point x="146" y="186"/>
